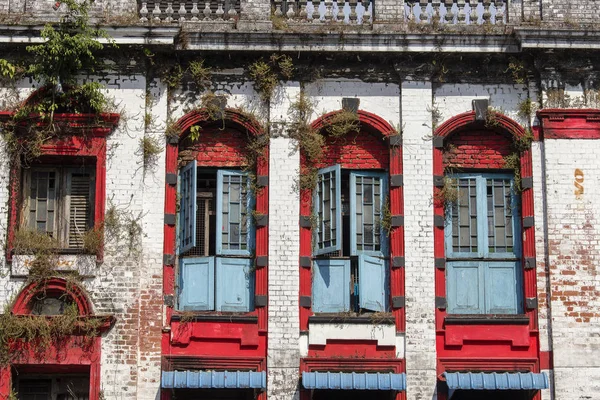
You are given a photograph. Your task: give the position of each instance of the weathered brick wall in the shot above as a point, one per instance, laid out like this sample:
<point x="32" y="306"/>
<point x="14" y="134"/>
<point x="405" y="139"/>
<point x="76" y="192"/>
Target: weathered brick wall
<point x="418" y="227"/>
<point x="573" y="257"/>
<point x="571" y="12"/>
<point x="477" y="149"/>
<point x="357" y="150"/>
<point x="217" y="148"/>
<point x="283" y="353"/>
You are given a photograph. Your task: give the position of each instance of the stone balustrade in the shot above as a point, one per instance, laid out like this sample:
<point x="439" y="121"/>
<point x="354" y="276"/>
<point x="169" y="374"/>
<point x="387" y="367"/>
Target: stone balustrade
<point x="348" y="12"/>
<point x="185" y="11"/>
<point x="456" y="12"/>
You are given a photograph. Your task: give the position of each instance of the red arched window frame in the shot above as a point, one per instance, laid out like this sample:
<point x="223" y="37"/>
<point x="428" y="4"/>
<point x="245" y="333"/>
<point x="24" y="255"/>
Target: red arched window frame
<point x="451" y="358"/>
<point x="85" y="136"/>
<point x="375" y="125"/>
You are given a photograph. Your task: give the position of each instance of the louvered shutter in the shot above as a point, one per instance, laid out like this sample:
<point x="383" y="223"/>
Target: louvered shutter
<point x="331" y="285"/>
<point x="372" y="273"/>
<point x="328" y="209"/>
<point x="79" y="198"/>
<point x="235" y="284"/>
<point x="187" y="207"/>
<point x="368" y="191"/>
<point x="235" y="228"/>
<point x="197" y="284"/>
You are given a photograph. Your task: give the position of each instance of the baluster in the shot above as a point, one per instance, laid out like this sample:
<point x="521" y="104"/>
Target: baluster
<point x="231" y="13"/>
<point x="290" y="11"/>
<point x="328" y="10"/>
<point x="181" y="12"/>
<point x="434" y="11"/>
<point x="195" y="12"/>
<point x="499" y="12"/>
<point x="207" y="12"/>
<point x="156" y="12"/>
<point x="144" y="12"/>
<point x="368" y="15"/>
<point x="303" y="13"/>
<point x="220" y="12"/>
<point x="449" y="17"/>
<point x="423" y="11"/>
<point x="340" y="11"/>
<point x="315" y="15"/>
<point x="169" y="12"/>
<point x="486" y="15"/>
<point x="278" y="12"/>
<point x="353" y="18"/>
<point x="461" y="18"/>
<point x="474" y="4"/>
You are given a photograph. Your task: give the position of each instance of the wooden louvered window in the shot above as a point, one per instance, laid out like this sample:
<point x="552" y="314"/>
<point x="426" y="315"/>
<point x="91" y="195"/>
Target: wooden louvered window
<point x="59" y="201"/>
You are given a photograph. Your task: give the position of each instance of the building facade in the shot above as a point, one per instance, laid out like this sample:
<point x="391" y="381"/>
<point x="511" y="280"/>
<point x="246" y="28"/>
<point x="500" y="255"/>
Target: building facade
<point x="303" y="200"/>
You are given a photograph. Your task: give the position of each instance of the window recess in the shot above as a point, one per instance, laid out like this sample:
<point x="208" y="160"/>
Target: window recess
<point x="350" y="245"/>
<point x="59" y="201"/>
<point x="483" y="246"/>
<point x="215" y="240"/>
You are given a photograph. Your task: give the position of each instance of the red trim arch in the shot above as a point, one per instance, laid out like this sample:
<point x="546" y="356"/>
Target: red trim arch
<point x="369" y="122"/>
<point x="235" y="340"/>
<point x="465" y="121"/>
<point x="53" y="286"/>
<point x="231" y="117"/>
<point x="72" y="355"/>
<point x="481" y="345"/>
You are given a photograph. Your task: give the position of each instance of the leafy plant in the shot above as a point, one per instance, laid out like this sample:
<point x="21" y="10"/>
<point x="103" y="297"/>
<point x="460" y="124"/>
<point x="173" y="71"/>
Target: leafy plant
<point x="267" y="74"/>
<point x="151" y="149"/>
<point x="200" y="74"/>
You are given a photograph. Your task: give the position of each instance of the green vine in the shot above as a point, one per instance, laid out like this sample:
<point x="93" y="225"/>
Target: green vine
<point x="447" y="194"/>
<point x="150" y="148"/>
<point x="267" y="74"/>
<point x="513" y="160"/>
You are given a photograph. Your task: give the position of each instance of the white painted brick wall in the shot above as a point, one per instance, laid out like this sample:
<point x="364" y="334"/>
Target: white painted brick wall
<point x="418" y="228"/>
<point x="574" y="256"/>
<point x="283" y="353"/>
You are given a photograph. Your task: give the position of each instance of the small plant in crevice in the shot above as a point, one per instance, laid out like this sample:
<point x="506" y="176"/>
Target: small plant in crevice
<point x="526" y="109"/>
<point x="150" y="148"/>
<point x="557" y="98"/>
<point x="517" y="69"/>
<point x="172" y="131"/>
<point x="266" y="74"/>
<point x="491" y="118"/>
<point x="341" y="123"/>
<point x="43" y="249"/>
<point x="122" y="231"/>
<point x="201" y="75"/>
<point x="513" y="160"/>
<point x="436" y="115"/>
<point x="386" y="216"/>
<point x="447" y="194"/>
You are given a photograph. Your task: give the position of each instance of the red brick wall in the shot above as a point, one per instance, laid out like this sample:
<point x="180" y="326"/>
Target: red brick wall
<point x="357" y="151"/>
<point x="481" y="149"/>
<point x="216" y="148"/>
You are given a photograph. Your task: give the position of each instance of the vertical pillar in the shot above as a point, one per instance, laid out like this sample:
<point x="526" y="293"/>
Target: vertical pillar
<point x="416" y="105"/>
<point x="283" y="351"/>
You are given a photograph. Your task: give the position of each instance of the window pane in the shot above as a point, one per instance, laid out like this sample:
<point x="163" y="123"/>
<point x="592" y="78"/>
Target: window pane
<point x="367" y="212"/>
<point x="499" y="197"/>
<point x="464" y="217"/>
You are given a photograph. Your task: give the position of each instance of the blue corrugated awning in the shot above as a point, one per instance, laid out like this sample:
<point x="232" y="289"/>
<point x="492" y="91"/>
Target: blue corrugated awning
<point x="214" y="379"/>
<point x="496" y="381"/>
<point x="354" y="380"/>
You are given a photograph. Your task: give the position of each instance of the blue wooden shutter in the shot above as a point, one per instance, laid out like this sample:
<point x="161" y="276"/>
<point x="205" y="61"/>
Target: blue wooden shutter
<point x="372" y="275"/>
<point x="465" y="289"/>
<point x="235" y="202"/>
<point x="331" y="285"/>
<point x="502" y="291"/>
<point x="328" y="209"/>
<point x="187" y="207"/>
<point x="235" y="284"/>
<point x="368" y="191"/>
<point x="197" y="284"/>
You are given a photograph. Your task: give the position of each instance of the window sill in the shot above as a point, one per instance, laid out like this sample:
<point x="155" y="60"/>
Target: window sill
<point x="239" y="318"/>
<point x="371" y="319"/>
<point x="488" y="319"/>
<point x="84" y="264"/>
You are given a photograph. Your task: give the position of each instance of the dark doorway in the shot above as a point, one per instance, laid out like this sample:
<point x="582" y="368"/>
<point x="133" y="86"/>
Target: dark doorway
<point x="353" y="394"/>
<point x="490" y="395"/>
<point x="51" y="387"/>
<point x="214" y="394"/>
